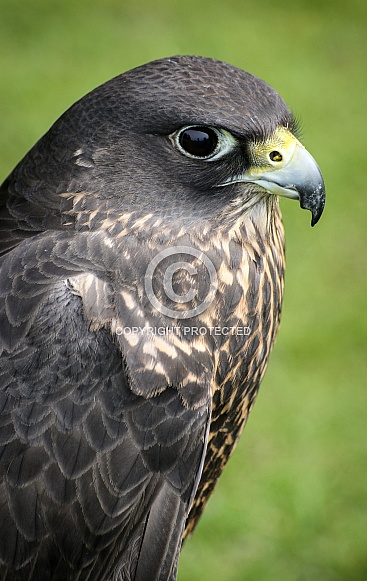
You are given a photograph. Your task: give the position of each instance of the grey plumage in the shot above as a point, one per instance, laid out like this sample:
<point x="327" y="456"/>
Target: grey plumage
<point x="108" y="439"/>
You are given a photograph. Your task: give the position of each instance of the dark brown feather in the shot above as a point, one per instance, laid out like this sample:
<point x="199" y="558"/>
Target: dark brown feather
<point x="112" y="441"/>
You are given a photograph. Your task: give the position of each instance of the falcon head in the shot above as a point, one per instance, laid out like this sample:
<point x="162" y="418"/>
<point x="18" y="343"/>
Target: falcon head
<point x="182" y="139"/>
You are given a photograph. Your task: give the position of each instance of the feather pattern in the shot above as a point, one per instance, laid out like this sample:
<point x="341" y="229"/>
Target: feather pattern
<point x="117" y="416"/>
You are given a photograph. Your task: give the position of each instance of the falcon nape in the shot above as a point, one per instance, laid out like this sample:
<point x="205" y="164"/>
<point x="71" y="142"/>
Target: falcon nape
<point x="141" y="282"/>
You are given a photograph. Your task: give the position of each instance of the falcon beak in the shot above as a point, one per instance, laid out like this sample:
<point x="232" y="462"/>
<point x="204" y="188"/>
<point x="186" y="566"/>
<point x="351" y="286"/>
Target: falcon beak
<point x="282" y="166"/>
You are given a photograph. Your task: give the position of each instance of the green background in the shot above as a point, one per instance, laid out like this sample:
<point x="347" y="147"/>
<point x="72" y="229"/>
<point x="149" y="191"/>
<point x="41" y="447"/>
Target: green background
<point x="291" y="504"/>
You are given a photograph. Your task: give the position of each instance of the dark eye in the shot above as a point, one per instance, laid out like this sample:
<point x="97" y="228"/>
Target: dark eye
<point x="203" y="142"/>
<point x="198" y="141"/>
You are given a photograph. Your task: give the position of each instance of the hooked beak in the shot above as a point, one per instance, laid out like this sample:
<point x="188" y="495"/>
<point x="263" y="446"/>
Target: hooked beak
<point x="284" y="167"/>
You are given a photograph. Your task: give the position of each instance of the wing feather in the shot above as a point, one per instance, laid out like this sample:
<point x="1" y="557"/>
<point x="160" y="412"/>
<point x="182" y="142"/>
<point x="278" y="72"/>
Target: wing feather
<point x="91" y="473"/>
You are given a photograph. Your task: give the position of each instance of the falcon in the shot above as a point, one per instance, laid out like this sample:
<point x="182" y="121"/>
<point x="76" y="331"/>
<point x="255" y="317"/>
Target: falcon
<point x="141" y="283"/>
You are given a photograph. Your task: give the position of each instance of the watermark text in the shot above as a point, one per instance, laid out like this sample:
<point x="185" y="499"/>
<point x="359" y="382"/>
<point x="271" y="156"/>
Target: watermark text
<point x="185" y="331"/>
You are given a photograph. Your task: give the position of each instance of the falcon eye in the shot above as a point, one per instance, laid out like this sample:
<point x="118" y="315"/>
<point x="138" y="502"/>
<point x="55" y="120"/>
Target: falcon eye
<point x="198" y="141"/>
<point x="275" y="156"/>
<point x="202" y="142"/>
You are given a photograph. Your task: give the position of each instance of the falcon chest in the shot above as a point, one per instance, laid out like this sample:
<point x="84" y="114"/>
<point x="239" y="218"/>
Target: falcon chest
<point x="250" y="291"/>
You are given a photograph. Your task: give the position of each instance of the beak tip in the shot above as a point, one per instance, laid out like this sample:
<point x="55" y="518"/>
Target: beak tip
<point x="316" y="214"/>
<point x="313" y="199"/>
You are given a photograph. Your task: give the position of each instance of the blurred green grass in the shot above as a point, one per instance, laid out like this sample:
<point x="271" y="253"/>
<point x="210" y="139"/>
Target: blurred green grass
<point x="291" y="505"/>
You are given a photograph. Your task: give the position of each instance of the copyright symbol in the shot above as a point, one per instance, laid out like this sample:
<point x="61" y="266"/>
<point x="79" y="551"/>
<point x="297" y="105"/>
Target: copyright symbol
<point x="164" y="272"/>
